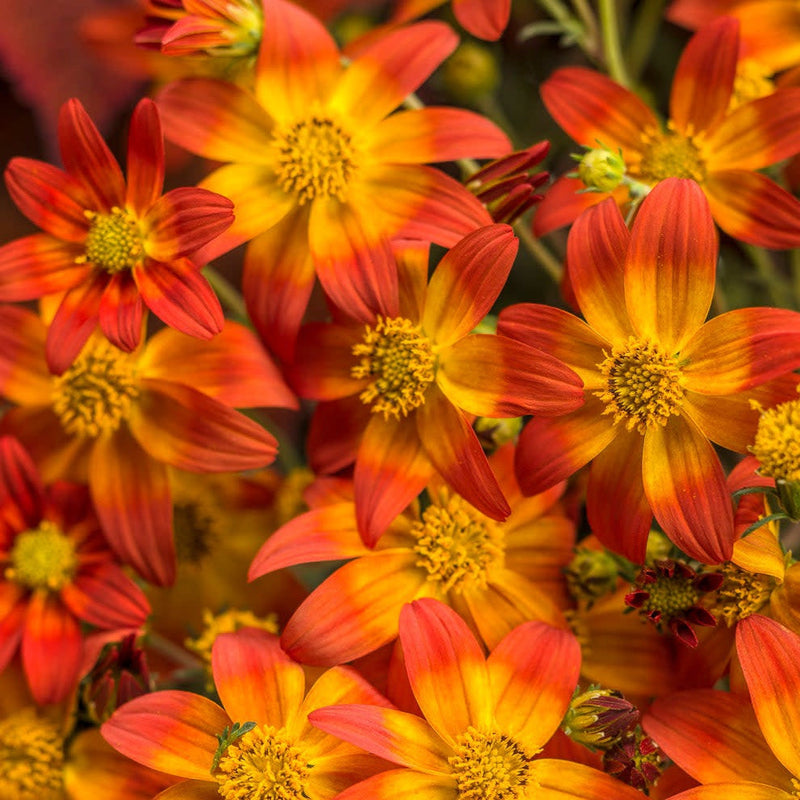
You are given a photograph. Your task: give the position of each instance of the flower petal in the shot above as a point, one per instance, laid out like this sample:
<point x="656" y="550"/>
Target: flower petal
<point x="121" y="312"/>
<point x="20" y="484"/>
<point x="181" y="426"/>
<point x="671" y="262"/>
<point x="171" y="731"/>
<point x="107" y="598"/>
<point x="145" y="158"/>
<point x="467" y="281"/>
<point x="685" y="485"/>
<point x="486" y="20"/>
<point x="556" y="779"/>
<point x="38" y="265"/>
<point x="403" y="783"/>
<point x="256" y="681"/>
<point x="533" y="673"/>
<point x="446" y="668"/>
<point x="563" y="203"/>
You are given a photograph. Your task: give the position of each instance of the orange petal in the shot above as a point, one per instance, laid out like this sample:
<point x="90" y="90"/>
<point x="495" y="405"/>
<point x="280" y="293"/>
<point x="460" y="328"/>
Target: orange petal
<point x="533" y="673"/>
<point x="256" y="681"/>
<point x="563" y="203"/>
<point x="741" y="791"/>
<point x="486" y="19"/>
<point x="753" y="208"/>
<point x="770" y="659"/>
<point x="556" y="779"/>
<point x="462" y="290"/>
<point x="190" y="790"/>
<point x="446" y="668"/>
<point x="591" y="107"/>
<point x="761" y="552"/>
<point x="107" y="598"/>
<point x="335" y="434"/>
<point x="733" y="748"/>
<point x="685" y="485"/>
<point x="671" y="262"/>
<point x="396" y="783"/>
<point x="703" y="81"/>
<point x="181" y="426"/>
<point x="145" y="158"/>
<point x="352" y="613"/>
<point x="174" y="732"/>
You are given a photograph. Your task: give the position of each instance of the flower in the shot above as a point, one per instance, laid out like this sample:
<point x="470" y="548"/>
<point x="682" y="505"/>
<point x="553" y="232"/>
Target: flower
<point x="720" y="149"/>
<point x="321" y="176"/>
<point x="496" y="575"/>
<point x="659" y="383"/>
<point x="116" y="420"/>
<point x="56" y="572"/>
<point x="262" y="721"/>
<point x="486" y="19"/>
<point x="401" y="388"/>
<point x="114" y="248"/>
<point x="483" y="719"/>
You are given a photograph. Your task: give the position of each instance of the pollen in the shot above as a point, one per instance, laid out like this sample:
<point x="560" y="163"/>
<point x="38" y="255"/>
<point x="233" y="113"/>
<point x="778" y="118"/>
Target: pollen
<point x="741" y="593"/>
<point x="114" y="241"/>
<point x="43" y="558"/>
<point x="488" y="765"/>
<point x="753" y="81"/>
<point x="670" y="155"/>
<point x="316" y="158"/>
<point x="777" y="442"/>
<point x="262" y="765"/>
<point x="31" y="757"/>
<point x="643" y="385"/>
<point x="456" y="544"/>
<point x="398" y="360"/>
<point x="93" y="397"/>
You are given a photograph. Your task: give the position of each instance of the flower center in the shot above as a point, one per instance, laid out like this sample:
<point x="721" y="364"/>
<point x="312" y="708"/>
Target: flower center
<point x="31" y="757"/>
<point x="93" y="397"/>
<point x="43" y="558"/>
<point x="489" y="766"/>
<point x="753" y="81"/>
<point x="741" y="594"/>
<point x="777" y="443"/>
<point x="398" y="360"/>
<point x="671" y="155"/>
<point x="456" y="544"/>
<point x="262" y="765"/>
<point x="114" y="241"/>
<point x="316" y="158"/>
<point x="643" y="385"/>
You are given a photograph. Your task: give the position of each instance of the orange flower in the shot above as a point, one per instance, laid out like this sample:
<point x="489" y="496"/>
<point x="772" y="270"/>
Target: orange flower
<point x="56" y="572"/>
<point x="659" y="383"/>
<point x="118" y="419"/>
<point x="496" y="575"/>
<point x="720" y="149"/>
<point x="115" y="248"/>
<point x="321" y="174"/>
<point x="259" y="743"/>
<point x="483" y="719"/>
<point x="404" y="387"/>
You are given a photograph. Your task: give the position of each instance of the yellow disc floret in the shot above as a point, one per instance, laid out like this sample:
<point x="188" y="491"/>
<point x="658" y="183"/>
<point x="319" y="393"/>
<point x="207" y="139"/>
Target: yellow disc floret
<point x="456" y="544"/>
<point x="488" y="765"/>
<point x="777" y="443"/>
<point x="742" y="593"/>
<point x="316" y="158"/>
<point x="43" y="558"/>
<point x="31" y="758"/>
<point x="114" y="241"/>
<point x="398" y="360"/>
<point x="262" y="765"/>
<point x="670" y="155"/>
<point x="94" y="396"/>
<point x="643" y="385"/>
<point x="753" y="81"/>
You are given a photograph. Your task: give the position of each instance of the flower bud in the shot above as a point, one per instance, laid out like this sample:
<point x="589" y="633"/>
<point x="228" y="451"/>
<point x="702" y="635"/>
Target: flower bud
<point x="601" y="170"/>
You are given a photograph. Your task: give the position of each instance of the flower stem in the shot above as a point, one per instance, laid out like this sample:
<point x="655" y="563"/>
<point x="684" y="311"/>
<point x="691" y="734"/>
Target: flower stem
<point x="612" y="49"/>
<point x="535" y="247"/>
<point x="228" y="295"/>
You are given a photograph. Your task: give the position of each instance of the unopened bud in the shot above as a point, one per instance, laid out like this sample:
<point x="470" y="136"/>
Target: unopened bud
<point x="591" y="574"/>
<point x="599" y="717"/>
<point x="494" y="433"/>
<point x="471" y="72"/>
<point x="601" y="170"/>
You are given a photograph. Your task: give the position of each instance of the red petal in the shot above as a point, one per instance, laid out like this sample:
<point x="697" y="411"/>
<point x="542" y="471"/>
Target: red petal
<point x="38" y="265"/>
<point x="486" y="19"/>
<point x="145" y="158"/>
<point x="107" y="598"/>
<point x="121" y="311"/>
<point x="563" y="203"/>
<point x="20" y="484"/>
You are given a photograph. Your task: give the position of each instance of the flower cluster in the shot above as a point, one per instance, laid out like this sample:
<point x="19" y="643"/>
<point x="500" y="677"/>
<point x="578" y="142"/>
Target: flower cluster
<point x="346" y="454"/>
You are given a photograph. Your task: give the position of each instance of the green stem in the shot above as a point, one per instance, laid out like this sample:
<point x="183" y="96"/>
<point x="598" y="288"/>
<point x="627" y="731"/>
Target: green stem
<point x="546" y="259"/>
<point x="773" y="281"/>
<point x="794" y="266"/>
<point x="645" y="29"/>
<point x="590" y="40"/>
<point x="228" y="295"/>
<point x="612" y="48"/>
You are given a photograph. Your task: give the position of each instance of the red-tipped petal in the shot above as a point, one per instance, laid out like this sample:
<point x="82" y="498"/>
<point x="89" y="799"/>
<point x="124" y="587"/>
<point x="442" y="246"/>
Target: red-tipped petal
<point x="107" y="598"/>
<point x="533" y="673"/>
<point x="256" y="681"/>
<point x="402" y="783"/>
<point x="703" y="81"/>
<point x="51" y="648"/>
<point x="38" y="265"/>
<point x="555" y="778"/>
<point x="181" y="426"/>
<point x="671" y="263"/>
<point x="685" y="485"/>
<point x="446" y="668"/>
<point x="145" y="158"/>
<point x="454" y="450"/>
<point x="20" y="483"/>
<point x="132" y="496"/>
<point x="467" y="281"/>
<point x="335" y="434"/>
<point x="486" y="19"/>
<point x="86" y="157"/>
<point x="174" y="732"/>
<point x="121" y="312"/>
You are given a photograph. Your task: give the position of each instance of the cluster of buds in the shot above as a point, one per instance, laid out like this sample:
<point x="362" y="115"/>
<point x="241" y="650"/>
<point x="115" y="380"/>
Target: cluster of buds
<point x="635" y="759"/>
<point x="507" y="187"/>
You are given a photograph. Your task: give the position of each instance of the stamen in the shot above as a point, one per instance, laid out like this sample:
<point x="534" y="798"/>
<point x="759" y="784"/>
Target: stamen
<point x="741" y="594"/>
<point x="670" y="155"/>
<point x="777" y="442"/>
<point x="114" y="241"/>
<point x="43" y="558"/>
